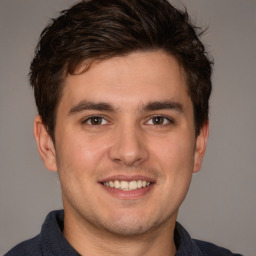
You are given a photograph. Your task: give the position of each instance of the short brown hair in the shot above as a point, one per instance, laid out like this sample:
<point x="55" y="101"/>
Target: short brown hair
<point x="99" y="29"/>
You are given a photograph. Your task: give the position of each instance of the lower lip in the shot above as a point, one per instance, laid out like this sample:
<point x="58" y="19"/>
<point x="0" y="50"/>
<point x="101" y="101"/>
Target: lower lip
<point x="131" y="194"/>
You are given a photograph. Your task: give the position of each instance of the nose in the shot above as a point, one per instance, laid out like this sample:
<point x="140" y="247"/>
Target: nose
<point x="129" y="146"/>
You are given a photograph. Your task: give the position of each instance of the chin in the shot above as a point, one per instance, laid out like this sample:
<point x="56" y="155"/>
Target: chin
<point x="129" y="229"/>
<point x="131" y="225"/>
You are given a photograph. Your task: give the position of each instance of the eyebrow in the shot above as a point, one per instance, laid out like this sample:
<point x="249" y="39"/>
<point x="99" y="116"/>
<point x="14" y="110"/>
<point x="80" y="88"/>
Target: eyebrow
<point x="161" y="105"/>
<point x="88" y="105"/>
<point x="103" y="106"/>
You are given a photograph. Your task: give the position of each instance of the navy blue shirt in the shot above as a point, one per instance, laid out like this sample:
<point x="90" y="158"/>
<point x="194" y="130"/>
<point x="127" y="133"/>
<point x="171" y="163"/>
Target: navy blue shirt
<point x="51" y="242"/>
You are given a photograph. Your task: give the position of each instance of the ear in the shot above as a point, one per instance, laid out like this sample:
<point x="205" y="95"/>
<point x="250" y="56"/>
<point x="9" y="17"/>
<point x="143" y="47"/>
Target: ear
<point x="200" y="149"/>
<point x="45" y="145"/>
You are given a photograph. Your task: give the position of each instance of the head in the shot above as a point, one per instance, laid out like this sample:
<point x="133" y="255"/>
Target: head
<point x="96" y="30"/>
<point x="122" y="88"/>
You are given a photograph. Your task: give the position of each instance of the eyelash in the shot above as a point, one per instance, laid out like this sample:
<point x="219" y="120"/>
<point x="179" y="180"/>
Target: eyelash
<point x="89" y="120"/>
<point x="166" y="120"/>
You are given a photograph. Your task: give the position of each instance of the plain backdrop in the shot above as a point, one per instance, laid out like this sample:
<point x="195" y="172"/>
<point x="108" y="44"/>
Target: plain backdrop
<point x="221" y="204"/>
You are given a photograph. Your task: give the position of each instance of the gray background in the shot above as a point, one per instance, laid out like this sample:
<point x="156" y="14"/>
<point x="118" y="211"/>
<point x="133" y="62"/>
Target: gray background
<point x="221" y="204"/>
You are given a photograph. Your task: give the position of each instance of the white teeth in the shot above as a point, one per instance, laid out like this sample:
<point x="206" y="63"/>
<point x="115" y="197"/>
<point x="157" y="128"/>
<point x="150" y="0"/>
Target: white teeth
<point x="132" y="185"/>
<point x="126" y="185"/>
<point x="111" y="184"/>
<point x="116" y="184"/>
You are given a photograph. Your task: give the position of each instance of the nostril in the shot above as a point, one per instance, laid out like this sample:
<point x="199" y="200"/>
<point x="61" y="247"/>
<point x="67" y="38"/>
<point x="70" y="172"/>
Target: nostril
<point x="128" y="147"/>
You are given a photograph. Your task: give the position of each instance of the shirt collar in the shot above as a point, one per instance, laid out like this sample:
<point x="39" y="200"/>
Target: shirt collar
<point x="54" y="243"/>
<point x="185" y="245"/>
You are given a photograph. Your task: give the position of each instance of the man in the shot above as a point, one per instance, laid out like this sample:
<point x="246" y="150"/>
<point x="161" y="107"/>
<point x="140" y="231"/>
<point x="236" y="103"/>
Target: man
<point x="122" y="90"/>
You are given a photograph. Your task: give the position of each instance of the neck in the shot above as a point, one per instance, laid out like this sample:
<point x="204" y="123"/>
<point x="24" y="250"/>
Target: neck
<point x="87" y="239"/>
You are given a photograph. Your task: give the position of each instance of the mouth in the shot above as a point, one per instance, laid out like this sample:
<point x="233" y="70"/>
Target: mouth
<point x="124" y="185"/>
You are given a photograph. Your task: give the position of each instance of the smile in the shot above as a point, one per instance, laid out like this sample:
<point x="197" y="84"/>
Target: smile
<point x="127" y="185"/>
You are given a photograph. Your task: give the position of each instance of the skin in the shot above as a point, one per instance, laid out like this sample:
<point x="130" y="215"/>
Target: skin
<point x="132" y="137"/>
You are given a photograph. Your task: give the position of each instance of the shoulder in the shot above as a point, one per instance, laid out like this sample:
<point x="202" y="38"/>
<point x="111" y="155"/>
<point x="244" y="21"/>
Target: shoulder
<point x="188" y="246"/>
<point x="209" y="249"/>
<point x="27" y="248"/>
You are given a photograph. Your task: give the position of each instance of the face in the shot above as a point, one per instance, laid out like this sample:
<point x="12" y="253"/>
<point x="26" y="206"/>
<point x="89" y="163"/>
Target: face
<point x="125" y="143"/>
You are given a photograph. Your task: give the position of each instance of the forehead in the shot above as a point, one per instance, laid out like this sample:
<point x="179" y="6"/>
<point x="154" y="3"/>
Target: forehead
<point x="136" y="78"/>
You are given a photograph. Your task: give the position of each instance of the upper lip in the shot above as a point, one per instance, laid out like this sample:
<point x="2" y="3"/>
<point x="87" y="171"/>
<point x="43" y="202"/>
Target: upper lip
<point x="128" y="178"/>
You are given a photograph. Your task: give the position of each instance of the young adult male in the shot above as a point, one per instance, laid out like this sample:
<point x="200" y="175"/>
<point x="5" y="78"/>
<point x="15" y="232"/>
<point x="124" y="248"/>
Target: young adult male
<point x="122" y="90"/>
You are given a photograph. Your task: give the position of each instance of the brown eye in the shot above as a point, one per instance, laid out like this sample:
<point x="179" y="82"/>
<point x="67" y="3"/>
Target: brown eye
<point x="158" y="120"/>
<point x="95" y="120"/>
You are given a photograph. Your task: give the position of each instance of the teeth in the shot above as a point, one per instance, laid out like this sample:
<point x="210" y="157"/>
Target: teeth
<point x="111" y="184"/>
<point x="133" y="185"/>
<point x="139" y="184"/>
<point x="116" y="184"/>
<point x="126" y="185"/>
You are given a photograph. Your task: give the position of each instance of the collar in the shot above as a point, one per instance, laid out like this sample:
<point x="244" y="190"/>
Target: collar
<point x="186" y="246"/>
<point x="54" y="243"/>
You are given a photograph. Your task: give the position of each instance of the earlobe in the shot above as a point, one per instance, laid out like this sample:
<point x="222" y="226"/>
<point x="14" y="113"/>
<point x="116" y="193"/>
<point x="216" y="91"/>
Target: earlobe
<point x="200" y="149"/>
<point x="45" y="145"/>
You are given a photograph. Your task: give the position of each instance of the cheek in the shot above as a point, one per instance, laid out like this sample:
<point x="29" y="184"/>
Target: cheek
<point x="175" y="159"/>
<point x="77" y="161"/>
<point x="79" y="155"/>
<point x="175" y="151"/>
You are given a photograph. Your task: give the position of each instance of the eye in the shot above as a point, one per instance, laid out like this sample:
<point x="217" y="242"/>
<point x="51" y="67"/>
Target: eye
<point x="95" y="120"/>
<point x="159" y="120"/>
